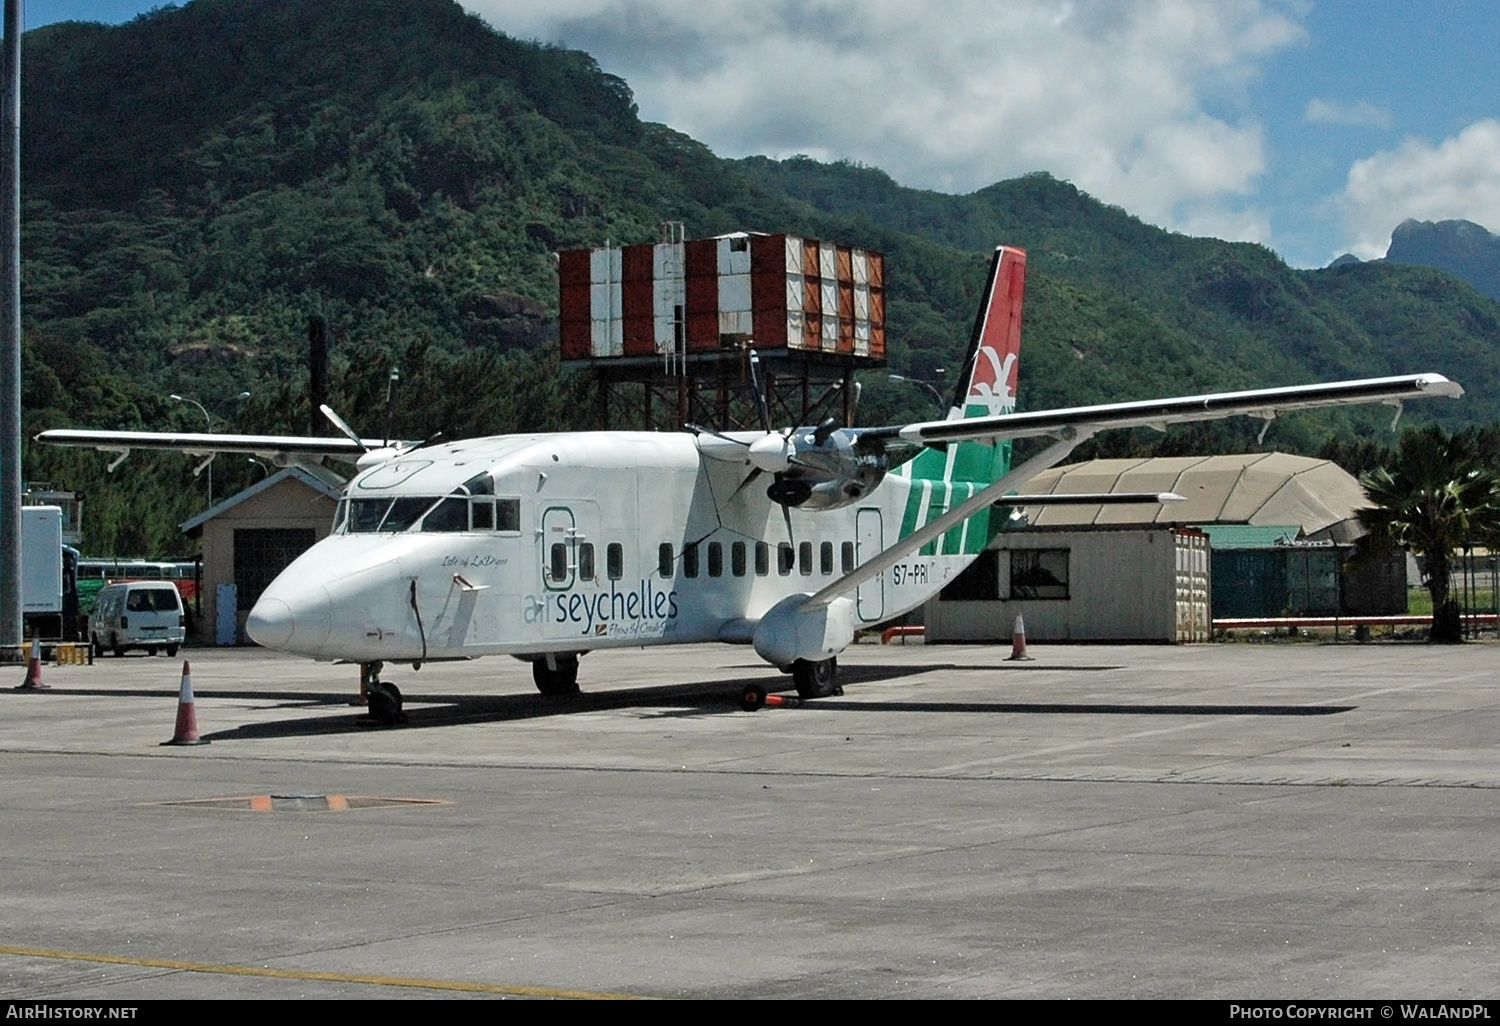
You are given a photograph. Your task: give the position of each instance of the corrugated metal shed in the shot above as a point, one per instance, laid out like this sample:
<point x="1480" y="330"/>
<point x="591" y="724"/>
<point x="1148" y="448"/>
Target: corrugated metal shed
<point x="1251" y="488"/>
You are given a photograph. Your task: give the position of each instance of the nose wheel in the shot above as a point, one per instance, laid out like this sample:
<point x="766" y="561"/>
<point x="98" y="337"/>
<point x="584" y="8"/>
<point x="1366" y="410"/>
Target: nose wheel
<point x="384" y="699"/>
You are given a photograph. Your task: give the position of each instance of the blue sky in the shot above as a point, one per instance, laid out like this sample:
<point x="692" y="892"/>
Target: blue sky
<point x="1312" y="126"/>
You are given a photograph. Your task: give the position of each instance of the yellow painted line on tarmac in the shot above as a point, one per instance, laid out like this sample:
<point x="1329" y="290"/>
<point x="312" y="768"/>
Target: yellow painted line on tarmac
<point x="299" y="974"/>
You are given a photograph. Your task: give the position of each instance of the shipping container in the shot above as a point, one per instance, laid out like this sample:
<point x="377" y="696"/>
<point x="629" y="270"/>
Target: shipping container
<point x="1151" y="584"/>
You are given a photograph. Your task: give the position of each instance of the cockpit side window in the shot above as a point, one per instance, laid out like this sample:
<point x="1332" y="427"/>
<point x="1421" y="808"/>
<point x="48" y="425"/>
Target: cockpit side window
<point x="508" y="515"/>
<point x="482" y="512"/>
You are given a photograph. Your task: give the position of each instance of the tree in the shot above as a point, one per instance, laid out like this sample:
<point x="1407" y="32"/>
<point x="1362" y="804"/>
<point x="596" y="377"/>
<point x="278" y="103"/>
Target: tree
<point x="1435" y="495"/>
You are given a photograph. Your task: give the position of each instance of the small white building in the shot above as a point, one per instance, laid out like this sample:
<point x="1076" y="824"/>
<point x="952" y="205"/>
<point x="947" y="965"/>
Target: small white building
<point x="1136" y="572"/>
<point x="1085" y="584"/>
<point x="252" y="536"/>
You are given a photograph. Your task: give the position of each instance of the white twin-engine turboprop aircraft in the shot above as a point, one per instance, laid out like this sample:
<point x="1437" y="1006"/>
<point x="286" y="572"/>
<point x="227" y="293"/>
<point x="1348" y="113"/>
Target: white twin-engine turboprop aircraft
<point x="547" y="546"/>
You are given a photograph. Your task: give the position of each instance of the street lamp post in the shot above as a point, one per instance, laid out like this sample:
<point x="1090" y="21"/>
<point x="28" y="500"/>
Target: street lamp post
<point x="936" y="395"/>
<point x="208" y="422"/>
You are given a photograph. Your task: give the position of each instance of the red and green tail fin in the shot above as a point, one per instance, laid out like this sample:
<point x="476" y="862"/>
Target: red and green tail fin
<point x="945" y="477"/>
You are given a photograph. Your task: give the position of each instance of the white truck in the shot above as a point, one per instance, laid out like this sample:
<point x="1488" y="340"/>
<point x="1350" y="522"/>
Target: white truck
<point x="41" y="560"/>
<point x="49" y="593"/>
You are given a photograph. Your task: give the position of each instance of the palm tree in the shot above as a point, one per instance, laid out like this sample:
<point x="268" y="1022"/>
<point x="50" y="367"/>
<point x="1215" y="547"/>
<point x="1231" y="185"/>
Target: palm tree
<point x="1435" y="495"/>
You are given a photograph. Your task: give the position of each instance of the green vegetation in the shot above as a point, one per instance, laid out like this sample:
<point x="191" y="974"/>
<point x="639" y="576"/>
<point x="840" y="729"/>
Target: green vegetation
<point x="1437" y="494"/>
<point x="202" y="180"/>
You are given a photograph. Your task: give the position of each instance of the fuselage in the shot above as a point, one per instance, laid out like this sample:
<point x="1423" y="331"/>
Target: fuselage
<point x="532" y="544"/>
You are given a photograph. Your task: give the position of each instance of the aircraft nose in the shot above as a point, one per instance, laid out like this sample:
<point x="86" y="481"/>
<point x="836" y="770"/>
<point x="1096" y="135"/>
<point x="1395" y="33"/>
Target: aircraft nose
<point x="291" y="623"/>
<point x="271" y="623"/>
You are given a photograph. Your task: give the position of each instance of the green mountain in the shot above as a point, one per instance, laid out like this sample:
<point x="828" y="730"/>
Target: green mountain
<point x="200" y="181"/>
<point x="1462" y="248"/>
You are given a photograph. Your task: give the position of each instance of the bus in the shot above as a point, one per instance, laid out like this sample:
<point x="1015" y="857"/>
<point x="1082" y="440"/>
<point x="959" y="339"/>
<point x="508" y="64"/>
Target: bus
<point x="94" y="574"/>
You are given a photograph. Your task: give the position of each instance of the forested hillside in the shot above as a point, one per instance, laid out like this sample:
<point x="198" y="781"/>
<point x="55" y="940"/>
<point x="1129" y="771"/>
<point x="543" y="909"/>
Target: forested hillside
<point x="199" y="182"/>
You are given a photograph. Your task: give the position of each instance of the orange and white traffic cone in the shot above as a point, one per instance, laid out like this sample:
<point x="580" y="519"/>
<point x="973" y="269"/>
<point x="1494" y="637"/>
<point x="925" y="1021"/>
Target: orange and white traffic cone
<point x="34" y="669"/>
<point x="187" y="718"/>
<point x="1018" y="642"/>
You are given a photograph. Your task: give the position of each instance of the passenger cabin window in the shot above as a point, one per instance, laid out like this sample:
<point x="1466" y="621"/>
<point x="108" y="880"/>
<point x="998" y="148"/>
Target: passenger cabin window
<point x="664" y="559"/>
<point x="825" y="558"/>
<point x="558" y="564"/>
<point x="846" y="557"/>
<point x="762" y="559"/>
<point x="586" y="560"/>
<point x="690" y="559"/>
<point x="614" y="561"/>
<point x="804" y="558"/>
<point x="786" y="558"/>
<point x="715" y="559"/>
<point x="737" y="559"/>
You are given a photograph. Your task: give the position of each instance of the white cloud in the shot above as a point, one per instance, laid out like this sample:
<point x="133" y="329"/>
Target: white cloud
<point x="1458" y="179"/>
<point x="954" y="94"/>
<point x="1360" y="113"/>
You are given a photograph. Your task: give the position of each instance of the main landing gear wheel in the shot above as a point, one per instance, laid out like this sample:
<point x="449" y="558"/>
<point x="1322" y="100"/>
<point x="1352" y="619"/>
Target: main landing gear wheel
<point x="817" y="678"/>
<point x="385" y="703"/>
<point x="556" y="675"/>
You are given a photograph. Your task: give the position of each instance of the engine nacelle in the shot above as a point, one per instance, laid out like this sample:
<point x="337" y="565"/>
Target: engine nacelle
<point x="840" y="469"/>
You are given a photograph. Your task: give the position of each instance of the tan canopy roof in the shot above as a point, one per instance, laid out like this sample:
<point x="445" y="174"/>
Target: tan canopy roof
<point x="1252" y="488"/>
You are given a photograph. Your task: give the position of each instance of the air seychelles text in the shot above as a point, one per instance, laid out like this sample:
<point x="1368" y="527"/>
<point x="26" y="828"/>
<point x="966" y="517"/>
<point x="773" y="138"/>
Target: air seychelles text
<point x="614" y="608"/>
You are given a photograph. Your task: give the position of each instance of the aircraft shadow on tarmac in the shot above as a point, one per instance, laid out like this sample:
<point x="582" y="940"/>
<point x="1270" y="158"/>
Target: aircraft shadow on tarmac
<point x="426" y="710"/>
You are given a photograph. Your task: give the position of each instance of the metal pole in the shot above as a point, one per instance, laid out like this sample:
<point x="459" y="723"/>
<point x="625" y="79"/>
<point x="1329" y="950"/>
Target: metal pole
<point x="10" y="329"/>
<point x="209" y="423"/>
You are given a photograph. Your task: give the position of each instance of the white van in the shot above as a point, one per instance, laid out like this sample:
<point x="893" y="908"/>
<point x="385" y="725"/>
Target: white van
<point x="141" y="614"/>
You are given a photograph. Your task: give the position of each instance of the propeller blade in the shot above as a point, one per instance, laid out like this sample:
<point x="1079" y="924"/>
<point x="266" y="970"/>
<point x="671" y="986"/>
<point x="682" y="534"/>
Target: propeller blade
<point x="761" y="402"/>
<point x="699" y="429"/>
<point x="786" y="514"/>
<point x="348" y="431"/>
<point x="754" y="473"/>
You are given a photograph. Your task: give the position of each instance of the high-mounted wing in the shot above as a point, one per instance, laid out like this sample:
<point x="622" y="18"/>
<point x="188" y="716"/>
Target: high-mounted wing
<point x="1071" y="427"/>
<point x="1266" y="403"/>
<point x="276" y="447"/>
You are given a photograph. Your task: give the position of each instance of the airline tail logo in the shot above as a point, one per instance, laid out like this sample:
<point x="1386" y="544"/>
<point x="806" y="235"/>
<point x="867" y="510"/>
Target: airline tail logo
<point x="996" y="341"/>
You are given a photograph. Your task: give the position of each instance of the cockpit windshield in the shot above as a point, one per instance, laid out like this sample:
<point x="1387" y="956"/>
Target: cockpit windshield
<point x="471" y="507"/>
<point x="387" y="515"/>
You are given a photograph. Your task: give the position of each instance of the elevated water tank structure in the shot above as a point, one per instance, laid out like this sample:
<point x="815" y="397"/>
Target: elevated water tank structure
<point x="679" y="318"/>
